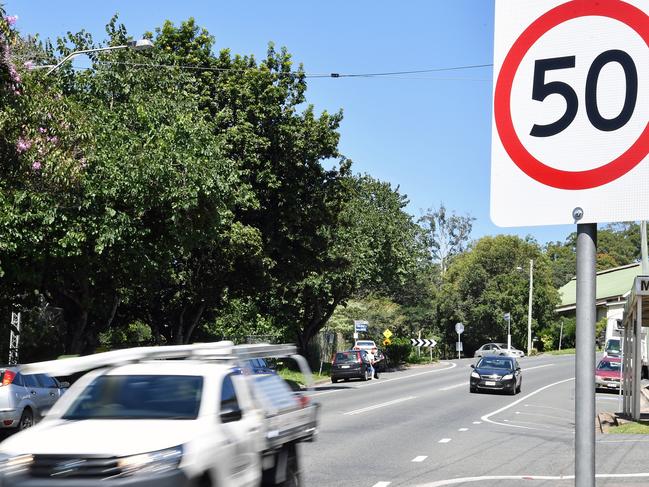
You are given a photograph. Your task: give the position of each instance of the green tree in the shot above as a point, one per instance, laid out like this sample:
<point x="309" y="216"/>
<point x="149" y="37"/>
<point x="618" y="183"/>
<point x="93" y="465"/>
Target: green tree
<point x="484" y="283"/>
<point x="447" y="234"/>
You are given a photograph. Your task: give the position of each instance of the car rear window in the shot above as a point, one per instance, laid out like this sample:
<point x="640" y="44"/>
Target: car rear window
<point x="139" y="397"/>
<point x="346" y="357"/>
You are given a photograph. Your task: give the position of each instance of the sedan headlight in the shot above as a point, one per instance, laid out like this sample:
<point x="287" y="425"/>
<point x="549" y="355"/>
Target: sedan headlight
<point x="508" y="377"/>
<point x="475" y="375"/>
<point x="15" y="465"/>
<point x="151" y="463"/>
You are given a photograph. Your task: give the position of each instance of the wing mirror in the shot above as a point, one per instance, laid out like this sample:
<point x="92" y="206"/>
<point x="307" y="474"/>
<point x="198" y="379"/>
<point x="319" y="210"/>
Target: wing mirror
<point x="64" y="385"/>
<point x="231" y="415"/>
<point x="473" y="366"/>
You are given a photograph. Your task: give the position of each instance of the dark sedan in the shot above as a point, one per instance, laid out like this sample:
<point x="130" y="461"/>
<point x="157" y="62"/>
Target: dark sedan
<point x="352" y="364"/>
<point x="496" y="374"/>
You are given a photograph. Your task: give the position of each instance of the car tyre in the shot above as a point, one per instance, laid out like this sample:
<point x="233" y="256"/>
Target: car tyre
<point x="334" y="381"/>
<point x="518" y="389"/>
<point x="364" y="378"/>
<point x="26" y="420"/>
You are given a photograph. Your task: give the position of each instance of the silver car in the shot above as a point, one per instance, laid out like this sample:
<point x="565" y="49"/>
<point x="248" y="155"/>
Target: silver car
<point x="499" y="349"/>
<point x="24" y="399"/>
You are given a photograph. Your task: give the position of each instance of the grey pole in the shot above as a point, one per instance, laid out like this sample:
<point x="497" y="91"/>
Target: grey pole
<point x="585" y="356"/>
<point x="560" y="335"/>
<point x="529" y="310"/>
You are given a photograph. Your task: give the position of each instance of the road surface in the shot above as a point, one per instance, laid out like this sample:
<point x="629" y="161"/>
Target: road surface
<point x="422" y="427"/>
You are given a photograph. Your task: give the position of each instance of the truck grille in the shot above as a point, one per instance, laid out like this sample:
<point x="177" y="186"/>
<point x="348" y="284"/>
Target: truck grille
<point x="64" y="466"/>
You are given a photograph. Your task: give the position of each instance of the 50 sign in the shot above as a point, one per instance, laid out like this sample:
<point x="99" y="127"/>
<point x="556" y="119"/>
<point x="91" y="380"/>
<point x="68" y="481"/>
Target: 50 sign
<point x="555" y="77"/>
<point x="542" y="90"/>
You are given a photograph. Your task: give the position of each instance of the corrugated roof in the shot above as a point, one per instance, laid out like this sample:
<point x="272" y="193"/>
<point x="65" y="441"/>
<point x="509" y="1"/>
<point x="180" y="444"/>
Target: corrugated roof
<point x="611" y="283"/>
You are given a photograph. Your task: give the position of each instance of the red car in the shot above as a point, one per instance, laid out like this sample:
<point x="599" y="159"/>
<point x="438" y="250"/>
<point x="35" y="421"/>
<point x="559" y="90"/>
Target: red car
<point x="608" y="373"/>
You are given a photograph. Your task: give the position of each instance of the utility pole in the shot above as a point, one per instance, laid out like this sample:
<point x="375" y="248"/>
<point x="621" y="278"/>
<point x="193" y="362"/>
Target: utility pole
<point x="529" y="310"/>
<point x="14" y="338"/>
<point x="643" y="248"/>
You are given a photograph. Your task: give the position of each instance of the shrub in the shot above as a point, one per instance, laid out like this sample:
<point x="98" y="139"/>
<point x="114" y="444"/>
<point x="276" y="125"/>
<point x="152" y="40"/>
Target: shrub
<point x="398" y="351"/>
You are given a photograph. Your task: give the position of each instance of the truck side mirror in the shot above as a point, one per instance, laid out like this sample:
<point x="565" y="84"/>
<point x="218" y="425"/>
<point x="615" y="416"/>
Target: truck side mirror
<point x="231" y="415"/>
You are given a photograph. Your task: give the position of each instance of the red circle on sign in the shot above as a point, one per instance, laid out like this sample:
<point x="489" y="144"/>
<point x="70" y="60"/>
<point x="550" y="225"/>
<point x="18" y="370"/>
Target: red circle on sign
<point x="591" y="178"/>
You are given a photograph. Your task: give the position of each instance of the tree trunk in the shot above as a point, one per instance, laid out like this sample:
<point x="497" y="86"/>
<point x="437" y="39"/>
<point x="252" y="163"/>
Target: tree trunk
<point x="195" y="321"/>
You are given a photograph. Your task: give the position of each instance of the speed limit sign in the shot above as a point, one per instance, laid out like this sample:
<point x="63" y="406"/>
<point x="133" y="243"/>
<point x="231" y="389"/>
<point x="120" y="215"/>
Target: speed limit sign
<point x="570" y="137"/>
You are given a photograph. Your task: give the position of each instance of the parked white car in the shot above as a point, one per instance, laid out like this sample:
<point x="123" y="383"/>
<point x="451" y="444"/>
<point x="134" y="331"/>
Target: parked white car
<point x="364" y="345"/>
<point x="498" y="349"/>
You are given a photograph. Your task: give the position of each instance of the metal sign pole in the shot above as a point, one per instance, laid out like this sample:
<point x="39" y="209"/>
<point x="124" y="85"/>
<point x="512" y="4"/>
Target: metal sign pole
<point x="585" y="356"/>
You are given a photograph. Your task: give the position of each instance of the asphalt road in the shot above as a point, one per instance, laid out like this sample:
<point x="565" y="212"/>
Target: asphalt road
<point x="423" y="427"/>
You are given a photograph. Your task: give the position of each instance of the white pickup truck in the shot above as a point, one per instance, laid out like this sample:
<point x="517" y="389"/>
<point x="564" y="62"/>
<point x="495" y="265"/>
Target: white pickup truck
<point x="136" y="420"/>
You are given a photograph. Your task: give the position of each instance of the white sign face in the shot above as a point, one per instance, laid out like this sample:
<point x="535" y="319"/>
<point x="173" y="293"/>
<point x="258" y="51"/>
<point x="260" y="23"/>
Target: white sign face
<point x="642" y="286"/>
<point x="459" y="328"/>
<point x="571" y="112"/>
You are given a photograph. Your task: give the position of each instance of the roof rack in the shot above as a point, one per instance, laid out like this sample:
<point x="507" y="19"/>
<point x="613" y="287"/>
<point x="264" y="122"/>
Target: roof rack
<point x="223" y="350"/>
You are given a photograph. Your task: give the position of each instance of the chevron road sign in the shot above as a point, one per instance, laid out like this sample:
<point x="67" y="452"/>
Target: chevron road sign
<point x="423" y="342"/>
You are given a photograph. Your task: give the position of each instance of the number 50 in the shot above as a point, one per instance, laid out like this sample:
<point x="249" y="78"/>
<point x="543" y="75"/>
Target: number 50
<point x="541" y="90"/>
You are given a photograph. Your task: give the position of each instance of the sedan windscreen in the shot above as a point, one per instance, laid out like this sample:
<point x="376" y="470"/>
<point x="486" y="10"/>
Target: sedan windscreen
<point x="606" y="365"/>
<point x="139" y="397"/>
<point x="495" y="363"/>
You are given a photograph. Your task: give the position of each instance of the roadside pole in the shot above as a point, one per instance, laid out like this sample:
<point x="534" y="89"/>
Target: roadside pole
<point x="560" y="335"/>
<point x="585" y="356"/>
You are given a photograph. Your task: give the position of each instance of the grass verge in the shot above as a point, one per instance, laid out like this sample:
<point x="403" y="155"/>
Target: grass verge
<point x="296" y="376"/>
<point x="565" y="351"/>
<point x="631" y="428"/>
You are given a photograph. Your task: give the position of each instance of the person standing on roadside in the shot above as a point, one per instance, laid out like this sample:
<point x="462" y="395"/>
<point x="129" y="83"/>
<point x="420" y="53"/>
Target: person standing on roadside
<point x="375" y="360"/>
<point x="370" y="359"/>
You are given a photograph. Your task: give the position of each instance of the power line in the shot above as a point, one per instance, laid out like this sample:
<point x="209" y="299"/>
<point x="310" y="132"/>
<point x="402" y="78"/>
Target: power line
<point x="386" y="74"/>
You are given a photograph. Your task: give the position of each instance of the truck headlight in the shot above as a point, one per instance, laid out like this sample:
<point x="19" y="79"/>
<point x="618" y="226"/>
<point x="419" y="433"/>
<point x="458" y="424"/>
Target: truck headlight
<point x="475" y="375"/>
<point x="151" y="463"/>
<point x="15" y="465"/>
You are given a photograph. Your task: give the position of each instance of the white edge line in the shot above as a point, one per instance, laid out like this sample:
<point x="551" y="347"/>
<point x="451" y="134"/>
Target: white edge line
<point x="420" y="458"/>
<point x="486" y="417"/>
<point x="383" y="381"/>
<point x="381" y="484"/>
<point x="377" y="406"/>
<point x="441" y="483"/>
<point x="444" y="440"/>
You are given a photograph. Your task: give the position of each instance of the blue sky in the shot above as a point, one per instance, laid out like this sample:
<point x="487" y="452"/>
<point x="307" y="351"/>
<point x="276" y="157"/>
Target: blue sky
<point x="428" y="134"/>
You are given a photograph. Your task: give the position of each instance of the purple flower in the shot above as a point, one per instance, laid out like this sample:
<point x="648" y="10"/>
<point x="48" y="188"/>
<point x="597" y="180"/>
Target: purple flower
<point x="54" y="140"/>
<point x="11" y="19"/>
<point x="36" y="166"/>
<point x="23" y="145"/>
<point x="29" y="65"/>
<point x="42" y="130"/>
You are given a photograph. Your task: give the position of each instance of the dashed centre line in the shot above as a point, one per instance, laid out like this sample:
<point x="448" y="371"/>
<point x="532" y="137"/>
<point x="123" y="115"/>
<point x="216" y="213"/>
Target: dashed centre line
<point x="444" y="440"/>
<point x="381" y="484"/>
<point x="463" y="429"/>
<point x="420" y="458"/>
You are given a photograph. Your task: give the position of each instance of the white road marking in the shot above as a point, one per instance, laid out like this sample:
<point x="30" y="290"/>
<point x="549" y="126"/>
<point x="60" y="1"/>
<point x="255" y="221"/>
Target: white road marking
<point x="477" y="422"/>
<point x="442" y="483"/>
<point x="486" y="417"/>
<point x="542" y="415"/>
<point x="444" y="440"/>
<point x="384" y="381"/>
<point x="537" y="367"/>
<point x="420" y="458"/>
<point x="381" y="484"/>
<point x="454" y="386"/>
<point x="463" y="429"/>
<point x="377" y="406"/>
<point x="547" y="407"/>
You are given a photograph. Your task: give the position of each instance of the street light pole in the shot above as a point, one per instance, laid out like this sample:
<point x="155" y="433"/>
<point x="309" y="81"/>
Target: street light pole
<point x="139" y="45"/>
<point x="529" y="310"/>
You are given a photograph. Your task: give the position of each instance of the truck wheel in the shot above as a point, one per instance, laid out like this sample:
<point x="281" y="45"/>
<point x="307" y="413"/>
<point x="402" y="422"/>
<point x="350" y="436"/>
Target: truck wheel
<point x="334" y="381"/>
<point x="292" y="477"/>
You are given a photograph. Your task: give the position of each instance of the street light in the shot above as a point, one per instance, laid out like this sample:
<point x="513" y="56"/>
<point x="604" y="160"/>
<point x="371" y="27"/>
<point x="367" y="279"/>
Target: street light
<point x="529" y="308"/>
<point x="139" y="45"/>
